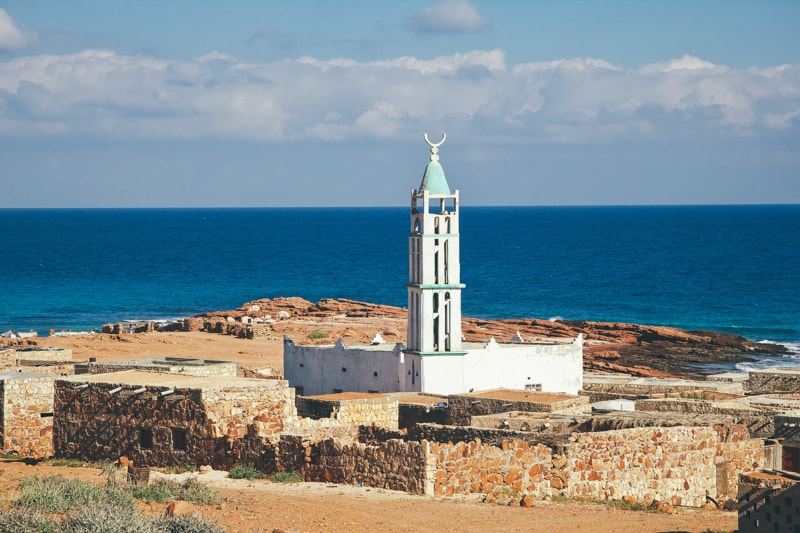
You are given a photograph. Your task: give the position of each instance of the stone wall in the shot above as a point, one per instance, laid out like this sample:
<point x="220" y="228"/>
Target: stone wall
<point x="27" y="414"/>
<point x="188" y="367"/>
<point x="393" y="465"/>
<point x="774" y="380"/>
<point x="379" y="411"/>
<point x="221" y="426"/>
<point x="652" y="387"/>
<point x="411" y="414"/>
<point x="12" y="356"/>
<point x="675" y="465"/>
<point x="464" y="406"/>
<point x="759" y="423"/>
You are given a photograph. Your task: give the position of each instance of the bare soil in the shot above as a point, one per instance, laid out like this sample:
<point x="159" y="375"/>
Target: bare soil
<point x="259" y="505"/>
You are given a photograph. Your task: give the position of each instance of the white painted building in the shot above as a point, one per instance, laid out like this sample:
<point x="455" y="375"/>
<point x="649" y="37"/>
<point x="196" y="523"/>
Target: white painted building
<point x="435" y="359"/>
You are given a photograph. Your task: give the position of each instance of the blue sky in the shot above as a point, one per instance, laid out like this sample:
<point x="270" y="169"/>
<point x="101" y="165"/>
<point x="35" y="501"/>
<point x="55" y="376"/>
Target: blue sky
<point x="320" y="103"/>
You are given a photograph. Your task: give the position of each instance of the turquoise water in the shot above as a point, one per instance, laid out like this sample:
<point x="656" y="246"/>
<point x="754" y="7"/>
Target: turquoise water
<point x="725" y="268"/>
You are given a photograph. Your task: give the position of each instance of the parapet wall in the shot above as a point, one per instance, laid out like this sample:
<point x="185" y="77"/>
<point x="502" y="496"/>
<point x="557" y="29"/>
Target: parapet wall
<point x="27" y="415"/>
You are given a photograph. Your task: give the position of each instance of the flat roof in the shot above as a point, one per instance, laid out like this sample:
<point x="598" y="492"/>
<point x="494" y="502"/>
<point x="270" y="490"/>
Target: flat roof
<point x="354" y="395"/>
<point x="160" y="362"/>
<point x="25" y="375"/>
<point x="160" y="379"/>
<point x="777" y="370"/>
<point x="522" y="396"/>
<point x="420" y="398"/>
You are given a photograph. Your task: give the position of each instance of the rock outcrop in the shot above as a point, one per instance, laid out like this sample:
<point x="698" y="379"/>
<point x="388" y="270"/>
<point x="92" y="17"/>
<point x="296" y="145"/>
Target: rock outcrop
<point x="642" y="350"/>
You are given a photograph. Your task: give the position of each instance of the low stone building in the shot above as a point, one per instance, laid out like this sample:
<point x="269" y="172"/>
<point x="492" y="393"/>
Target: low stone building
<point x="352" y="408"/>
<point x="464" y="406"/>
<point x="26" y="405"/>
<point x="600" y="387"/>
<point x="161" y="419"/>
<point x="174" y="365"/>
<point x="38" y="359"/>
<point x="781" y="380"/>
<point x="771" y="503"/>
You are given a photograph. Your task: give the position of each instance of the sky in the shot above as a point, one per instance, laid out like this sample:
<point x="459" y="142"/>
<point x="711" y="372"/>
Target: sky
<point x="194" y="103"/>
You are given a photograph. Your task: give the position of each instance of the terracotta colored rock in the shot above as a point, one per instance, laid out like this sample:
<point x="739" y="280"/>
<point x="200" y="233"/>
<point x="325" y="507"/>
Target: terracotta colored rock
<point x="180" y="508"/>
<point x="526" y="501"/>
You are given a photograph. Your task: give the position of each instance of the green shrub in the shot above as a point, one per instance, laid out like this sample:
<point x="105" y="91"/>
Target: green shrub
<point x="16" y="520"/>
<point x="286" y="477"/>
<point x="318" y="334"/>
<point x="58" y="495"/>
<point x="160" y="490"/>
<point x="107" y="519"/>
<point x="245" y="472"/>
<point x="196" y="491"/>
<point x="187" y="524"/>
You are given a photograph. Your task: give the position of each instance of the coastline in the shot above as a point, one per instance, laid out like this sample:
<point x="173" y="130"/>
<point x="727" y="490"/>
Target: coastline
<point x="651" y="351"/>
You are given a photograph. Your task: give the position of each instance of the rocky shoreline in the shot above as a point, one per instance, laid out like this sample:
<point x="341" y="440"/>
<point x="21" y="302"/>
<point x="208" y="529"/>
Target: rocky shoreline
<point x="642" y="350"/>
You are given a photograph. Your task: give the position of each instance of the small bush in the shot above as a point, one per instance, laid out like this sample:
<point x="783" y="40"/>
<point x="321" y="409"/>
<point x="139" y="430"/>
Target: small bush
<point x="245" y="472"/>
<point x="187" y="524"/>
<point x="58" y="495"/>
<point x="286" y="477"/>
<point x="108" y="519"/>
<point x="15" y="520"/>
<point x="198" y="492"/>
<point x="318" y="334"/>
<point x="160" y="490"/>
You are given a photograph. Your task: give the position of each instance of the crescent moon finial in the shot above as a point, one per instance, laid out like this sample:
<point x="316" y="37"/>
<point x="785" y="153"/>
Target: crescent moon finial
<point x="434" y="145"/>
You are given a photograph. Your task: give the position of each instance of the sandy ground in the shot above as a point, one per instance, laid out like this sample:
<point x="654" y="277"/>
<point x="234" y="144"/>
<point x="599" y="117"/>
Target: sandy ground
<point x="249" y="353"/>
<point x="253" y="506"/>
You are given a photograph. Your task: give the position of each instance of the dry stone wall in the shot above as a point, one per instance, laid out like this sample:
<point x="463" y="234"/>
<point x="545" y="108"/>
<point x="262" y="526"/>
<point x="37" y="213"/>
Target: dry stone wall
<point x="13" y="356"/>
<point x="27" y="415"/>
<point x="675" y="465"/>
<point x="463" y="406"/>
<point x="222" y="369"/>
<point x="775" y="380"/>
<point x="379" y="411"/>
<point x="393" y="465"/>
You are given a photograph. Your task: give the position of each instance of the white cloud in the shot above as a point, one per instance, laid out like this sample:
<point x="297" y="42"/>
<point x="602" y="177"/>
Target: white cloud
<point x="450" y="16"/>
<point x="11" y="36"/>
<point x="98" y="92"/>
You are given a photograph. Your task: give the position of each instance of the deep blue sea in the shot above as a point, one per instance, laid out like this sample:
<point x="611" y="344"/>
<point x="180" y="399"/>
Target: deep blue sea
<point x="725" y="268"/>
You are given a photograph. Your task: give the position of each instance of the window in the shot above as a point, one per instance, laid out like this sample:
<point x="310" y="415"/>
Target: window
<point x="178" y="439"/>
<point x="375" y="374"/>
<point x="146" y="439"/>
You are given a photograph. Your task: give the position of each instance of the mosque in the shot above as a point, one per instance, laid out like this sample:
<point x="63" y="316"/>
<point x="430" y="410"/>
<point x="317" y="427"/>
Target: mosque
<point x="435" y="358"/>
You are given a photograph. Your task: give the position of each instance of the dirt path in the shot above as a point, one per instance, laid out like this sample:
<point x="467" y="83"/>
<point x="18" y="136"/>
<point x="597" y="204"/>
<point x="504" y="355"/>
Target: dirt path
<point x="255" y="506"/>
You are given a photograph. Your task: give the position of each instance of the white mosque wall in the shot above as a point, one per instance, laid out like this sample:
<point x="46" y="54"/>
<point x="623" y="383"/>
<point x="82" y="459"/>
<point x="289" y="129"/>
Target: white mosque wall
<point x="554" y="367"/>
<point x="315" y="370"/>
<point x="443" y="374"/>
<point x="551" y="367"/>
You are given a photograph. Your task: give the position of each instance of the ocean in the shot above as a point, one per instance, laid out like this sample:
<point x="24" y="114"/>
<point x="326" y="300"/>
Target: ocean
<point x="733" y="269"/>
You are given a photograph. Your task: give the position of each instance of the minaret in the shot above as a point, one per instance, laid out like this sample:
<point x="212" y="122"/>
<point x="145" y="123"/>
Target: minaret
<point x="434" y="273"/>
